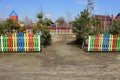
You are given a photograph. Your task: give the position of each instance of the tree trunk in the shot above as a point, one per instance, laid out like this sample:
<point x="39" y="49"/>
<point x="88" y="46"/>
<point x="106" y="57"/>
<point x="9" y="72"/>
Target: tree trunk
<point x="83" y="44"/>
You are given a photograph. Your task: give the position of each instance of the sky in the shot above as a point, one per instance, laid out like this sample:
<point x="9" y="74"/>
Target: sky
<point x="54" y="9"/>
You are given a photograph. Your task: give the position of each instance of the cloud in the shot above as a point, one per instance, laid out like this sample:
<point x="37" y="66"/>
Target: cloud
<point x="83" y="2"/>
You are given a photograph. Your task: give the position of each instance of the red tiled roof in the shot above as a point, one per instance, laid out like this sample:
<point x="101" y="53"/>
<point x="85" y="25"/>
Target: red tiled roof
<point x="102" y="16"/>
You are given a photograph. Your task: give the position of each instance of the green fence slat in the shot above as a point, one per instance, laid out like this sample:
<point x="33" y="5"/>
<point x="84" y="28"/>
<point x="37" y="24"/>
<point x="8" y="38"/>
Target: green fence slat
<point x="92" y="43"/>
<point x="35" y="42"/>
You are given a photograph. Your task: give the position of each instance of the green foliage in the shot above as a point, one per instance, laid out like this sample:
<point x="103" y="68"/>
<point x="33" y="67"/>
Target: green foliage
<point x="45" y="37"/>
<point x="48" y="22"/>
<point x="2" y="28"/>
<point x="42" y="25"/>
<point x="21" y="29"/>
<point x="9" y="25"/>
<point x="83" y="26"/>
<point x="115" y="28"/>
<point x="40" y="16"/>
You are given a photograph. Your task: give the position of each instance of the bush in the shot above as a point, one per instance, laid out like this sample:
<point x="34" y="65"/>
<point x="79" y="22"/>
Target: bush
<point x="45" y="32"/>
<point x="45" y="36"/>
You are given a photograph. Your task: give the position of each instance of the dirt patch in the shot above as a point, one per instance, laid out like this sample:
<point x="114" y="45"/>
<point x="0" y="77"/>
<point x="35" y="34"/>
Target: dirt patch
<point x="60" y="61"/>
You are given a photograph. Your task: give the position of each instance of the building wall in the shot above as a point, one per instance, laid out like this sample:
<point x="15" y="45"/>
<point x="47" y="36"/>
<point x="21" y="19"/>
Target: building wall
<point x="14" y="18"/>
<point x="105" y="21"/>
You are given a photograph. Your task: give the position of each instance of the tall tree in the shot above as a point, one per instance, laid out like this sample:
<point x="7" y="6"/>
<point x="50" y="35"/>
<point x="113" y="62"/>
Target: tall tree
<point x="82" y="26"/>
<point x="115" y="28"/>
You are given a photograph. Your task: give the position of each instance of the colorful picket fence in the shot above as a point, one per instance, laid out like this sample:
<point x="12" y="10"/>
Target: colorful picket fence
<point x="20" y="42"/>
<point x="104" y="42"/>
<point x="59" y="32"/>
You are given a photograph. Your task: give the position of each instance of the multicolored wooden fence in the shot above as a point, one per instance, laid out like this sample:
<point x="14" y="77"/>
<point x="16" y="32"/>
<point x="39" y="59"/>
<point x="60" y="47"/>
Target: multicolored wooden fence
<point x="19" y="42"/>
<point x="104" y="42"/>
<point x="58" y="32"/>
